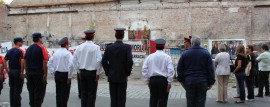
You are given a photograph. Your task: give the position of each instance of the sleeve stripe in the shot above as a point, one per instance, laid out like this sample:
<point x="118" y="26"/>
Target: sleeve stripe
<point x="45" y="53"/>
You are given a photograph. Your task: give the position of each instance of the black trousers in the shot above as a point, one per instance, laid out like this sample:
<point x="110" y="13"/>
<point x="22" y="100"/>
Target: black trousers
<point x="62" y="89"/>
<point x="118" y="94"/>
<point x="36" y="87"/>
<point x="16" y="85"/>
<point x="158" y="91"/>
<point x="79" y="84"/>
<point x="196" y="94"/>
<point x="88" y="88"/>
<point x="1" y="86"/>
<point x="256" y="78"/>
<point x="263" y="82"/>
<point x="250" y="86"/>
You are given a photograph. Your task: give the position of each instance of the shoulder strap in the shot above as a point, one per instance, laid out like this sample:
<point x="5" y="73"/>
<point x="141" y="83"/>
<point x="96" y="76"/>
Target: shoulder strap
<point x="249" y="57"/>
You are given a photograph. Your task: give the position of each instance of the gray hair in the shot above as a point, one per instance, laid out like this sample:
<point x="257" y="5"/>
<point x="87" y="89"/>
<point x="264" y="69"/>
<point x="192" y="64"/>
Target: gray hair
<point x="222" y="47"/>
<point x="195" y="41"/>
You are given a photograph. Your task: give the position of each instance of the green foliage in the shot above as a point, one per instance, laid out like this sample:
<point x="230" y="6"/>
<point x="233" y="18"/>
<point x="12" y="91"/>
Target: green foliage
<point x="2" y="2"/>
<point x="92" y="24"/>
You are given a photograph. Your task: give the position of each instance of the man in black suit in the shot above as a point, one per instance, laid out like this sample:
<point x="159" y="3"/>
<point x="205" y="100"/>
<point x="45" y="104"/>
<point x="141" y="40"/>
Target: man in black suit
<point x="117" y="63"/>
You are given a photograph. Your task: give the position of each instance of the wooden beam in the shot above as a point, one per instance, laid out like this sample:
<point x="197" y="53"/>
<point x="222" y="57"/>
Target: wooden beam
<point x="262" y="6"/>
<point x="58" y="3"/>
<point x="69" y="11"/>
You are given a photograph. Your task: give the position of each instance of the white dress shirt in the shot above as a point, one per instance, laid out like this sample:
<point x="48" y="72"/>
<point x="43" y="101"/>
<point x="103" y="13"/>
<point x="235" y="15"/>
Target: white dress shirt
<point x="62" y="61"/>
<point x="158" y="64"/>
<point x="88" y="56"/>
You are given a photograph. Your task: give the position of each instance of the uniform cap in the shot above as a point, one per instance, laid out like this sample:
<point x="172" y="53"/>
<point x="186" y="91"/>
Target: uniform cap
<point x="120" y="29"/>
<point x="89" y="32"/>
<point x="63" y="41"/>
<point x="160" y="43"/>
<point x="188" y="39"/>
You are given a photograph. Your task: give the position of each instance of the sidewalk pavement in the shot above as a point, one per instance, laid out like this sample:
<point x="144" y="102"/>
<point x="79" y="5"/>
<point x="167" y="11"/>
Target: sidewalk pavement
<point x="137" y="96"/>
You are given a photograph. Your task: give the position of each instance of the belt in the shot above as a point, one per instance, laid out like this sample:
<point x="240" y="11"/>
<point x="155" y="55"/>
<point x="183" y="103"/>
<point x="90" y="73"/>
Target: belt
<point x="84" y="70"/>
<point x="14" y="69"/>
<point x="157" y="77"/>
<point x="60" y="72"/>
<point x="32" y="69"/>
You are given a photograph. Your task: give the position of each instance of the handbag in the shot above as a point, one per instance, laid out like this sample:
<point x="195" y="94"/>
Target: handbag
<point x="248" y="68"/>
<point x="232" y="66"/>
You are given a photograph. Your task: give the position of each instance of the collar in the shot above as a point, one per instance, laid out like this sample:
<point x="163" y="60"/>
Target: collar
<point x="89" y="42"/>
<point x="196" y="47"/>
<point x="118" y="41"/>
<point x="16" y="46"/>
<point x="38" y="43"/>
<point x="62" y="48"/>
<point x="159" y="51"/>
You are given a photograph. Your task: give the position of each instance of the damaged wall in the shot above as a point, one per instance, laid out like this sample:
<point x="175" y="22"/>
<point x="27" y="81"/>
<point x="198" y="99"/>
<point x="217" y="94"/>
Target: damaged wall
<point x="165" y="19"/>
<point x="3" y="22"/>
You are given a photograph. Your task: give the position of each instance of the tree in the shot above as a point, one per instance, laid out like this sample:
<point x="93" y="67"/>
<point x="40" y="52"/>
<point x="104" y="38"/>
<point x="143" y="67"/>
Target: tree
<point x="92" y="24"/>
<point x="2" y="2"/>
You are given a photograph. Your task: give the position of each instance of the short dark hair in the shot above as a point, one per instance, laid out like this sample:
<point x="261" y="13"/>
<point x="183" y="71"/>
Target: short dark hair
<point x="89" y="37"/>
<point x="251" y="48"/>
<point x="36" y="39"/>
<point x="119" y="35"/>
<point x="15" y="42"/>
<point x="159" y="48"/>
<point x="265" y="47"/>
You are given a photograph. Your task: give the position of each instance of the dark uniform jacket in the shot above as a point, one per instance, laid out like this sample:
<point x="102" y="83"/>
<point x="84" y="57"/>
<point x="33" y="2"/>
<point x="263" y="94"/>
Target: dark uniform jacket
<point x="117" y="62"/>
<point x="196" y="66"/>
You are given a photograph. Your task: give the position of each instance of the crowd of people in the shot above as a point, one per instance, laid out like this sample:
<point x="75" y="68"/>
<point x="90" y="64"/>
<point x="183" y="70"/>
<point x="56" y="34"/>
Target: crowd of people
<point x="195" y="71"/>
<point x="245" y="72"/>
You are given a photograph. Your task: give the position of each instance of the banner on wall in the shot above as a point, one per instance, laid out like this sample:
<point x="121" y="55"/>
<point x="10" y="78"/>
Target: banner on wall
<point x="230" y="45"/>
<point x="5" y="47"/>
<point x="138" y="49"/>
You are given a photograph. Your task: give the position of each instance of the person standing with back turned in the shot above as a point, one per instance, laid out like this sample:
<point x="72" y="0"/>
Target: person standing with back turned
<point x="61" y="67"/>
<point x="196" y="73"/>
<point x="264" y="70"/>
<point x="87" y="60"/>
<point x="117" y="63"/>
<point x="36" y="59"/>
<point x="222" y="63"/>
<point x="158" y="72"/>
<point x="14" y="58"/>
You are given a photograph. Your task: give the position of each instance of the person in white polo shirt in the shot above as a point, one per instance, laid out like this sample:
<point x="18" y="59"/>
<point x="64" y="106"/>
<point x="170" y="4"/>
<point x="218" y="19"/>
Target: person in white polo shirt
<point x="264" y="69"/>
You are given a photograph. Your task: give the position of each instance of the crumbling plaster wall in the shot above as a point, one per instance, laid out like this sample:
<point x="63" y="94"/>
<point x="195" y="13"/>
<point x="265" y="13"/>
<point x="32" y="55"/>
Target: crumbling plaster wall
<point x="3" y="22"/>
<point x="168" y="20"/>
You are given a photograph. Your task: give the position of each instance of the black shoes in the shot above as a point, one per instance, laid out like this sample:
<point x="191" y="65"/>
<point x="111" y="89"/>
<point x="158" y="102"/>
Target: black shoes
<point x="259" y="96"/>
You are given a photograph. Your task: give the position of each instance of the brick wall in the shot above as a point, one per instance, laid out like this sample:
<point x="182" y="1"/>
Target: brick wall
<point x="168" y="20"/>
<point x="3" y="22"/>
